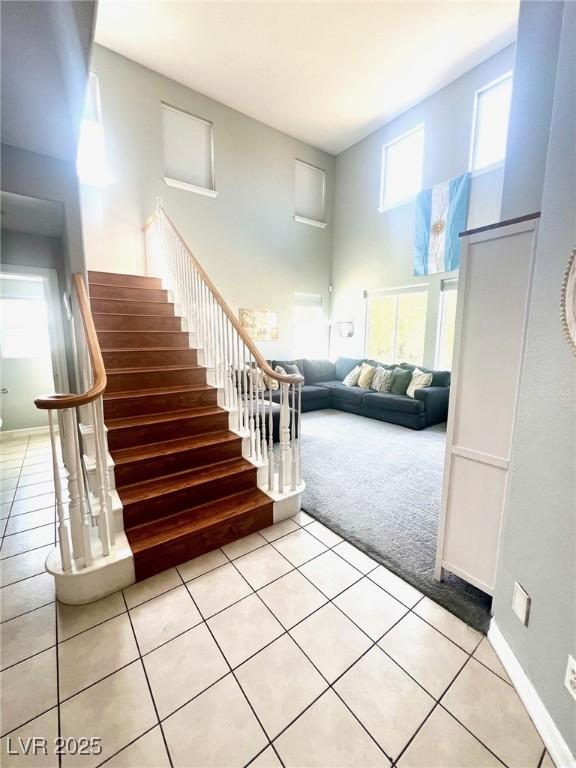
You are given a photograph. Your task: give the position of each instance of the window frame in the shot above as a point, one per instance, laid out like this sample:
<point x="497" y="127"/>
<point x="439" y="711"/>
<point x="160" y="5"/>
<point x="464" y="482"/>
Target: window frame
<point x="449" y="285"/>
<point x="500" y="164"/>
<point x="397" y="292"/>
<point x="321" y="223"/>
<point x="185" y="185"/>
<point x="383" y="207"/>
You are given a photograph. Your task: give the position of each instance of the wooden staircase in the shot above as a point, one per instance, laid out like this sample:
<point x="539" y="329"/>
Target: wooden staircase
<point x="179" y="471"/>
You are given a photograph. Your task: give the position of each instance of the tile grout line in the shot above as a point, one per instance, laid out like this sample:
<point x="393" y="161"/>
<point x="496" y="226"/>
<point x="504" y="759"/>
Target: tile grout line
<point x="286" y="632"/>
<point x="143" y="666"/>
<point x="231" y="670"/>
<point x="59" y="714"/>
<point x="374" y="643"/>
<point x="12" y="502"/>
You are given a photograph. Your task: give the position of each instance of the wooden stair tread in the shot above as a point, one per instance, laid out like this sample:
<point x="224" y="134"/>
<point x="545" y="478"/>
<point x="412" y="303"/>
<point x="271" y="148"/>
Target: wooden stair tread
<point x="157" y="391"/>
<point x="155" y="418"/>
<point x="129" y="301"/>
<point x="126" y="314"/>
<point x="107" y="330"/>
<point x="173" y="527"/>
<point x="99" y="283"/>
<point x="147" y="489"/>
<point x="154" y="369"/>
<point x="147" y="349"/>
<point x="124" y="455"/>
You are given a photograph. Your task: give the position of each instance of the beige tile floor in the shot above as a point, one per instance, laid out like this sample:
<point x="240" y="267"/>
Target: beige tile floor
<point x="289" y="647"/>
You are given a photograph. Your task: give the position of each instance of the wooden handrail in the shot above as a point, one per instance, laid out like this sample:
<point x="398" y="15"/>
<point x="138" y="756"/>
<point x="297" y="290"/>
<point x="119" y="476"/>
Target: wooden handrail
<point x="266" y="369"/>
<point x="69" y="400"/>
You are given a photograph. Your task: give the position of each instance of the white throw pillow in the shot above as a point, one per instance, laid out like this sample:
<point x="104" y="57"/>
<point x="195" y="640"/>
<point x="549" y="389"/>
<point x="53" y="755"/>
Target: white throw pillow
<point x="352" y="379"/>
<point x="419" y="380"/>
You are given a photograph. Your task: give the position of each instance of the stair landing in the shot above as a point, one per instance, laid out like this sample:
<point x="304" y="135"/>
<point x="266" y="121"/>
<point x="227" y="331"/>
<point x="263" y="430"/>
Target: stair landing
<point x="179" y="471"/>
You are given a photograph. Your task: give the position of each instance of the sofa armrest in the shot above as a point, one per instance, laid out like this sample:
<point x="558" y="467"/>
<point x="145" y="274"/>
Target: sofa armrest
<point x="435" y="401"/>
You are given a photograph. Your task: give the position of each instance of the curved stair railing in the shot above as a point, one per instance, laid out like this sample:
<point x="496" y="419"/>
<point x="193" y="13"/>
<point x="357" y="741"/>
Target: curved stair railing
<point x="87" y="532"/>
<point x="236" y="366"/>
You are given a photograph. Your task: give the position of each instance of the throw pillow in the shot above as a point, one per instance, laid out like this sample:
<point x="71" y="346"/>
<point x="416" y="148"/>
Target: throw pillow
<point x="385" y="380"/>
<point x="291" y="370"/>
<point x="255" y="376"/>
<point x="271" y="383"/>
<point x="352" y="379"/>
<point x="376" y="378"/>
<point x="366" y="376"/>
<point x="419" y="380"/>
<point x="400" y="381"/>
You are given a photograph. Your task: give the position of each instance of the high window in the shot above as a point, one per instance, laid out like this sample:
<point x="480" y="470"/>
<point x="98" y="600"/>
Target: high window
<point x="310" y="327"/>
<point x="91" y="164"/>
<point x="396" y="325"/>
<point x="188" y="151"/>
<point x="490" y="127"/>
<point x="446" y="324"/>
<point x="309" y="194"/>
<point x="402" y="161"/>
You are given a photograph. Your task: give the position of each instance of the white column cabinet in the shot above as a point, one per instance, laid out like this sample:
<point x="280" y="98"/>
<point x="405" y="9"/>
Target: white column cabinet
<point x="493" y="292"/>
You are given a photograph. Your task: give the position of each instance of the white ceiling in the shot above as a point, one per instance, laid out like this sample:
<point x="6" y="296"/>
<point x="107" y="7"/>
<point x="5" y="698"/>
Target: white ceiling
<point x="328" y="73"/>
<point x="31" y="215"/>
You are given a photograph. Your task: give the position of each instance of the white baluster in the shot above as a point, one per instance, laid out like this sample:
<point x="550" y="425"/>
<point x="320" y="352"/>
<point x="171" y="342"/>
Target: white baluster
<point x="103" y="526"/>
<point x="257" y="429"/>
<point x="299" y="426"/>
<point x="105" y="468"/>
<point x="293" y="438"/>
<point x="63" y="533"/>
<point x="70" y="460"/>
<point x="251" y="404"/>
<point x="270" y="445"/>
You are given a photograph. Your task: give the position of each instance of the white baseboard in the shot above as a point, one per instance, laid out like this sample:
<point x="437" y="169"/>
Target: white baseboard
<point x="14" y="434"/>
<point x="549" y="733"/>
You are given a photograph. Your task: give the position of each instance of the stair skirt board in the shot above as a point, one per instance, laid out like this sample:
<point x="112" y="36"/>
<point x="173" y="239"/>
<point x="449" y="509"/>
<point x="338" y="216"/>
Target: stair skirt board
<point x="184" y="485"/>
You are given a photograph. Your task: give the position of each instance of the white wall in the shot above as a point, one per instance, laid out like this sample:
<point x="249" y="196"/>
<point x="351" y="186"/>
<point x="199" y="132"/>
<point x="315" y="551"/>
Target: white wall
<point x="538" y="546"/>
<point x="373" y="250"/>
<point x="536" y="54"/>
<point x="246" y="238"/>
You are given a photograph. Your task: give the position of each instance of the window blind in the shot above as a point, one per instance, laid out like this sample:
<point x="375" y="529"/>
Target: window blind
<point x="309" y="193"/>
<point x="188" y="155"/>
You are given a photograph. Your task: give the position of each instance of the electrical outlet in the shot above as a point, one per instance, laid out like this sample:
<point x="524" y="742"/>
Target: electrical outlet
<point x="570" y="679"/>
<point x="521" y="602"/>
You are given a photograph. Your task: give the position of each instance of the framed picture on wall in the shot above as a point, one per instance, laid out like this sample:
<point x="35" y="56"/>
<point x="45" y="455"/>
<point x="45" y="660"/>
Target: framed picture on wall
<point x="260" y="325"/>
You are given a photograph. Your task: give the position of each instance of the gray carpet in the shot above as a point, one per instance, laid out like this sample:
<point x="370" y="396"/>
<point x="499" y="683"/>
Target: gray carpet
<point x="379" y="486"/>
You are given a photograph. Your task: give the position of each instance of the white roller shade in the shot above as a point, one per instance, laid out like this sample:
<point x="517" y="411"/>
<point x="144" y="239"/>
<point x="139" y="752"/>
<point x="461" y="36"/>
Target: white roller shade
<point x="309" y="193"/>
<point x="188" y="153"/>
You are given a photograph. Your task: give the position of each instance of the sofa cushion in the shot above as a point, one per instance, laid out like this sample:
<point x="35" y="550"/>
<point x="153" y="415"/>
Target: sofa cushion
<point x="439" y="378"/>
<point x="309" y="393"/>
<point x="388" y="401"/>
<point x="318" y="370"/>
<point x="344" y="365"/>
<point x="340" y="391"/>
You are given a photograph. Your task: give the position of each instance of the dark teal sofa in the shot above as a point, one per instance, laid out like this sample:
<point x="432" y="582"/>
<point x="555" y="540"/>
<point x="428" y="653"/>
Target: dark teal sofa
<point x="323" y="388"/>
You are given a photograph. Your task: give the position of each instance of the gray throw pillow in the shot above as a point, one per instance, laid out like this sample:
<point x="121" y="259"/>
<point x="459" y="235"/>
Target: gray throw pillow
<point x="401" y="379"/>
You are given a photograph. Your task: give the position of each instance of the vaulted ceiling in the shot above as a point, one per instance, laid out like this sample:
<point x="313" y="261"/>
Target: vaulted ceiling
<point x="328" y="73"/>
